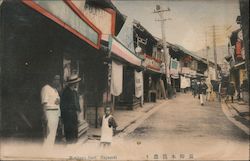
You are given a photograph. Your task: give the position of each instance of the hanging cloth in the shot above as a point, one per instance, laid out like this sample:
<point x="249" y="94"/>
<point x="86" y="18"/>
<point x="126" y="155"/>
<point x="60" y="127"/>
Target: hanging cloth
<point x="188" y="82"/>
<point x="116" y="78"/>
<point x="138" y="84"/>
<point x="183" y="82"/>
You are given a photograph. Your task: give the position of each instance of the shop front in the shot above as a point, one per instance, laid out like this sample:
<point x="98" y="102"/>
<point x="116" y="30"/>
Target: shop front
<point x="154" y="79"/>
<point x="40" y="42"/>
<point x="130" y="65"/>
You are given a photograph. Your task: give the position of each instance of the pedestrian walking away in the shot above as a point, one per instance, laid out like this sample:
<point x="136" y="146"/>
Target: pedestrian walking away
<point x="108" y="128"/>
<point x="202" y="89"/>
<point x="194" y="88"/>
<point x="230" y="91"/>
<point x="50" y="101"/>
<point x="69" y="109"/>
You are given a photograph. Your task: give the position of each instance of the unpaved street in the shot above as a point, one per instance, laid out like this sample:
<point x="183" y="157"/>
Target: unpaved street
<point x="184" y="127"/>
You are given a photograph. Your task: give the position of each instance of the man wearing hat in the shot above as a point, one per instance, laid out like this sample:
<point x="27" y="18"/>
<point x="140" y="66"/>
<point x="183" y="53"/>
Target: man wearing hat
<point x="50" y="101"/>
<point x="69" y="107"/>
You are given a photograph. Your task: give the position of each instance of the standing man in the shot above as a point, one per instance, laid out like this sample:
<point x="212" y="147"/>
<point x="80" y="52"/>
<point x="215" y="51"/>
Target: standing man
<point x="50" y="101"/>
<point x="70" y="107"/>
<point x="202" y="91"/>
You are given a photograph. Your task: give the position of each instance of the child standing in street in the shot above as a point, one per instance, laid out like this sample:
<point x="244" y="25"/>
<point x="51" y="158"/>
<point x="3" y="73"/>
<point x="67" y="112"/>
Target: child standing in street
<point x="108" y="127"/>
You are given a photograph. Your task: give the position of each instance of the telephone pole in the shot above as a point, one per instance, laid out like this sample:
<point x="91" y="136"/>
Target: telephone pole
<point x="208" y="72"/>
<point x="163" y="20"/>
<point x="215" y="54"/>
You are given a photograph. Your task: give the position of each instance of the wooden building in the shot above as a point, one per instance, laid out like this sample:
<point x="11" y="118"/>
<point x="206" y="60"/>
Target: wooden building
<point x="39" y="41"/>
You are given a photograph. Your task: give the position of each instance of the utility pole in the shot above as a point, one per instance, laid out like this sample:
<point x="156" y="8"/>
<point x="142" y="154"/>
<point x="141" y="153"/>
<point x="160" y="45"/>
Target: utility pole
<point x="162" y="20"/>
<point x="215" y="54"/>
<point x="208" y="72"/>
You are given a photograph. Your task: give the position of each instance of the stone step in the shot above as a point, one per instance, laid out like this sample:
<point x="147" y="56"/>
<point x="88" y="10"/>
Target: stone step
<point x="82" y="128"/>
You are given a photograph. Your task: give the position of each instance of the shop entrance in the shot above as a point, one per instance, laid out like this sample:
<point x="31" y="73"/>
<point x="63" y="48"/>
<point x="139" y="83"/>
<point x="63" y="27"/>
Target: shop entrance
<point x="35" y="48"/>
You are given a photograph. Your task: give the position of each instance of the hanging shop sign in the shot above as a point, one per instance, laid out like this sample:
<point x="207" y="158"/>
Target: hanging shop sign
<point x="153" y="64"/>
<point x="194" y="65"/>
<point x="66" y="14"/>
<point x="185" y="70"/>
<point x="192" y="72"/>
<point x="212" y="73"/>
<point x="188" y="72"/>
<point x="138" y="84"/>
<point x="238" y="49"/>
<point x="243" y="53"/>
<point x="185" y="82"/>
<point x="116" y="78"/>
<point x="174" y="67"/>
<point x="240" y="35"/>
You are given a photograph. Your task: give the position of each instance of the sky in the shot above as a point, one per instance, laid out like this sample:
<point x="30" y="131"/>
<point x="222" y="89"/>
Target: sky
<point x="190" y="19"/>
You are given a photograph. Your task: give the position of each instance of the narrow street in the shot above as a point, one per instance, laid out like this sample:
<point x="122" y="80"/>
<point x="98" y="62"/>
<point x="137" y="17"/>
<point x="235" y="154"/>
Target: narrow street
<point x="176" y="129"/>
<point x="85" y="80"/>
<point x="184" y="127"/>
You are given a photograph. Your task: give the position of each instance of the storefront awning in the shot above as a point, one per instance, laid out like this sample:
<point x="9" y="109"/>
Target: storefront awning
<point x="118" y="49"/>
<point x="175" y="76"/>
<point x="154" y="70"/>
<point x="200" y="75"/>
<point x="239" y="64"/>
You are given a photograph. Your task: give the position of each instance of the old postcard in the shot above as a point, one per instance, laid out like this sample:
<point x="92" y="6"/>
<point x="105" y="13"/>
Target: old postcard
<point x="124" y="80"/>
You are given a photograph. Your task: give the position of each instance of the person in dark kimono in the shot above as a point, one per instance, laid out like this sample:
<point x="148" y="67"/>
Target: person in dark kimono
<point x="230" y="91"/>
<point x="194" y="86"/>
<point x="69" y="108"/>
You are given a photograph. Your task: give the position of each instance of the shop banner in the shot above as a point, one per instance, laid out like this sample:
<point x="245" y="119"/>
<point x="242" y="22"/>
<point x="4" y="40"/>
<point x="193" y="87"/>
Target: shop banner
<point x="116" y="78"/>
<point x="188" y="82"/>
<point x="185" y="70"/>
<point x="66" y="14"/>
<point x="138" y="84"/>
<point x="182" y="82"/>
<point x="152" y="64"/>
<point x="174" y="68"/>
<point x="238" y="49"/>
<point x="185" y="82"/>
<point x="192" y="73"/>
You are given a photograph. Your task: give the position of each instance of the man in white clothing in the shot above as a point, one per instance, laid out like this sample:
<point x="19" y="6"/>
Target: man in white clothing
<point x="202" y="91"/>
<point x="50" y="101"/>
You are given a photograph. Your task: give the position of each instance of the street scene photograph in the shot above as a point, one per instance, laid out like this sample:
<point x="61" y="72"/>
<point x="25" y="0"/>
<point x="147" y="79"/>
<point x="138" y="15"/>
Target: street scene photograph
<point x="86" y="80"/>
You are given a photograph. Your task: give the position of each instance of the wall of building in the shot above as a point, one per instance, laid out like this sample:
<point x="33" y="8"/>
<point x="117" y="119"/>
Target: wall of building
<point x="102" y="19"/>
